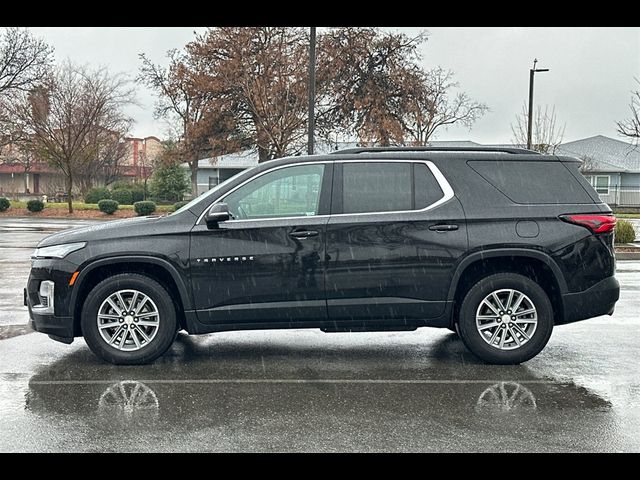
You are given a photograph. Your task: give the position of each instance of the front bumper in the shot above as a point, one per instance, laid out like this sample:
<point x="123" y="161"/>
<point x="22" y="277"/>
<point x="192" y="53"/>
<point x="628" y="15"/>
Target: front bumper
<point x="59" y="328"/>
<point x="58" y="324"/>
<point x="600" y="299"/>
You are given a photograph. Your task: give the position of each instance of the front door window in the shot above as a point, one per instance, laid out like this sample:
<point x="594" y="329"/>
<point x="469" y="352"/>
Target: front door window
<point x="285" y="192"/>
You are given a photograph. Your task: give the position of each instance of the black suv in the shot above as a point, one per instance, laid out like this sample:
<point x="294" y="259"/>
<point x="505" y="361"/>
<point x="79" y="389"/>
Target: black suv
<point x="497" y="244"/>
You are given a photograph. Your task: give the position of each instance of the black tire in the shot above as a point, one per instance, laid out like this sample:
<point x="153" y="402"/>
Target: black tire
<point x="167" y="324"/>
<point x="472" y="338"/>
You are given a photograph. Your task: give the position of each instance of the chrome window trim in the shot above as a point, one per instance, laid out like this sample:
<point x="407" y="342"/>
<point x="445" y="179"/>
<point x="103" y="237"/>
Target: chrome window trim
<point x="440" y="178"/>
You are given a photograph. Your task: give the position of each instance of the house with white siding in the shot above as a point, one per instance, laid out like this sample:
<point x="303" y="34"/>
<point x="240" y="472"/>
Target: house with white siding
<point x="612" y="166"/>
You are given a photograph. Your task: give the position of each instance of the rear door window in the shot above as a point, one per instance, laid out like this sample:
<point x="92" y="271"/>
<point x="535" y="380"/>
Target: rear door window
<point x="426" y="187"/>
<point x="369" y="187"/>
<point x="376" y="187"/>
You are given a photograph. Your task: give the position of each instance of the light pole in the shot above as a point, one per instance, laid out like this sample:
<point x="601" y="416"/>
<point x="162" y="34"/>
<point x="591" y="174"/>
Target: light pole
<point x="530" y="121"/>
<point x="312" y="89"/>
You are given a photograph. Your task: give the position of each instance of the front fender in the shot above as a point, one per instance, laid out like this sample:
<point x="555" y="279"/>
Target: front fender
<point x="183" y="291"/>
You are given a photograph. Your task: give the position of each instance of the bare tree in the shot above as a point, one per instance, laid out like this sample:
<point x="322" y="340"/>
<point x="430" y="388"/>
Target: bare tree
<point x="546" y="135"/>
<point x="631" y="126"/>
<point x="588" y="164"/>
<point x="24" y="61"/>
<point x="434" y="107"/>
<point x="74" y="117"/>
<point x="105" y="163"/>
<point x="146" y="166"/>
<point x="182" y="103"/>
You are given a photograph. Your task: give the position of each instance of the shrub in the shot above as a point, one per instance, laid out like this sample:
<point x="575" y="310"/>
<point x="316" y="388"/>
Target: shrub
<point x="4" y="204"/>
<point x="96" y="194"/>
<point x="144" y="208"/>
<point x="137" y="190"/>
<point x="121" y="184"/>
<point x="137" y="193"/>
<point x="122" y="196"/>
<point x="35" y="205"/>
<point x="108" y="206"/>
<point x="169" y="183"/>
<point x="624" y="232"/>
<point x="178" y="205"/>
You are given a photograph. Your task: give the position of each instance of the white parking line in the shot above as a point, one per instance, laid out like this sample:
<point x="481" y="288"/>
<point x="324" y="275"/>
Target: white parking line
<point x="287" y="381"/>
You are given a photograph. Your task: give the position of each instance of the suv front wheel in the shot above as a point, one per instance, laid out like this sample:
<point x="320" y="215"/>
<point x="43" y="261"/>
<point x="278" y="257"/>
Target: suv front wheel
<point x="506" y="318"/>
<point x="129" y="319"/>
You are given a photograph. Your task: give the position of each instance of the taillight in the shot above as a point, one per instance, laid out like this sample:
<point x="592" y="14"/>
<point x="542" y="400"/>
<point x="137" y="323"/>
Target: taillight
<point x="595" y="223"/>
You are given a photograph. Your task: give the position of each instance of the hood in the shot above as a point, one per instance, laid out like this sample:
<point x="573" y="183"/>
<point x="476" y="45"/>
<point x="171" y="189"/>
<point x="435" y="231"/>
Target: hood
<point x="129" y="227"/>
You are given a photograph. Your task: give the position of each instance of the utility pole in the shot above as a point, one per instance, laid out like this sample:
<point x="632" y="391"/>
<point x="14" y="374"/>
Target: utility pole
<point x="312" y="90"/>
<point x="530" y="120"/>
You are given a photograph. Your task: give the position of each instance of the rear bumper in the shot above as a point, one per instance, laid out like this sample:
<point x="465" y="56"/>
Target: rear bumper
<point x="598" y="300"/>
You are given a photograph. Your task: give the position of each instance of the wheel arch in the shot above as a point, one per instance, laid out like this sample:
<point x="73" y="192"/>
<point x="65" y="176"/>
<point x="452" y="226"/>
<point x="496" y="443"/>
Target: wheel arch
<point x="531" y="263"/>
<point x="159" y="269"/>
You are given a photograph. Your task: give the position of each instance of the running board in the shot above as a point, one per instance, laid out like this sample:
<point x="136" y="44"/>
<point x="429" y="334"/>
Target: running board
<point x="368" y="329"/>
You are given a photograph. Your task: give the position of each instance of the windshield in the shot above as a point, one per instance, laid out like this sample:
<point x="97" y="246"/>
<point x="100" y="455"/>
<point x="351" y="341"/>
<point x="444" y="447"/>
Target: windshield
<point x="208" y="193"/>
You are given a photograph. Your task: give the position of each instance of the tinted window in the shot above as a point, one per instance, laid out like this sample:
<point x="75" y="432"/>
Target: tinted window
<point x="427" y="189"/>
<point x="286" y="192"/>
<point x="376" y="187"/>
<point x="532" y="182"/>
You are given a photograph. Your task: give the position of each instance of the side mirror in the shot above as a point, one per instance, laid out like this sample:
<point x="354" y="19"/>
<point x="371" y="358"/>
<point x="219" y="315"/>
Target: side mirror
<point x="216" y="214"/>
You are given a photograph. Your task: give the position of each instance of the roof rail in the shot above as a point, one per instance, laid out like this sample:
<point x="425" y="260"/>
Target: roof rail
<point x="513" y="150"/>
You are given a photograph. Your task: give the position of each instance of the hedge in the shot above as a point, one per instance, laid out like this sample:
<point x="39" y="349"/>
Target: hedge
<point x="144" y="208"/>
<point x="178" y="205"/>
<point x="35" y="205"/>
<point x="4" y="204"/>
<point x="624" y="232"/>
<point x="96" y="194"/>
<point x="122" y="196"/>
<point x="108" y="206"/>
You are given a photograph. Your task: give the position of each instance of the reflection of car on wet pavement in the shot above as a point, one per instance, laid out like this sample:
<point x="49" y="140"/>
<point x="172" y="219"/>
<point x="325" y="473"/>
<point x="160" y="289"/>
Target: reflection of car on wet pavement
<point x="500" y="244"/>
<point x="310" y="398"/>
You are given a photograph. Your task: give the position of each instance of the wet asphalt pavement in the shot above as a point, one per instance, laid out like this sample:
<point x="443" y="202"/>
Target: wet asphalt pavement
<point x="304" y="390"/>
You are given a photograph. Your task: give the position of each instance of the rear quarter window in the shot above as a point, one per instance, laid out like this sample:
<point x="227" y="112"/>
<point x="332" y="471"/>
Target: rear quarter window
<point x="528" y="182"/>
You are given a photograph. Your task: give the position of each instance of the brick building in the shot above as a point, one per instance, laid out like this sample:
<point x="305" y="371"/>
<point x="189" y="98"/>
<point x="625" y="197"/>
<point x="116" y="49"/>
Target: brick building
<point x="41" y="178"/>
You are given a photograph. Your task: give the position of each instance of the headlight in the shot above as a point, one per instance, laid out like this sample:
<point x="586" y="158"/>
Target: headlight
<point x="57" y="251"/>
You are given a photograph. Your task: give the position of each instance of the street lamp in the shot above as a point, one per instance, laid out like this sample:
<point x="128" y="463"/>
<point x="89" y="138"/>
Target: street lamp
<point x="530" y="121"/>
<point x="312" y="88"/>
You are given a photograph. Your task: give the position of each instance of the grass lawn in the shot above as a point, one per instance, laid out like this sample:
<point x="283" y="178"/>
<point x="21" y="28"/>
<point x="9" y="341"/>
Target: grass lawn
<point x="80" y="210"/>
<point x="627" y="215"/>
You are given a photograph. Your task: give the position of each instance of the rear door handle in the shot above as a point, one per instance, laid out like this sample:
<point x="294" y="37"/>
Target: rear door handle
<point x="443" y="228"/>
<point x="304" y="233"/>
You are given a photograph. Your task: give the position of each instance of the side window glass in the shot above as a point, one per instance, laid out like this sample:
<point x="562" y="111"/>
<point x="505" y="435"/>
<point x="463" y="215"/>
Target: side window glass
<point x="426" y="187"/>
<point x="376" y="187"/>
<point x="285" y="192"/>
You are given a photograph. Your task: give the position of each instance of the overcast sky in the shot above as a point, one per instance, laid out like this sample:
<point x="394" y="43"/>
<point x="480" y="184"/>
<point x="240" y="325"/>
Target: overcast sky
<point x="591" y="76"/>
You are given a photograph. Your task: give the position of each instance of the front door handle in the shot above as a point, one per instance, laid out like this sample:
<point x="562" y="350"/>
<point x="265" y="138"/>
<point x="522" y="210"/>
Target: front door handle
<point x="304" y="233"/>
<point x="443" y="228"/>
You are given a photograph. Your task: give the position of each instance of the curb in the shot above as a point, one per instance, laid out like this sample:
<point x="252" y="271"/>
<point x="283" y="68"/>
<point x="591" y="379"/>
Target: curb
<point x="628" y="255"/>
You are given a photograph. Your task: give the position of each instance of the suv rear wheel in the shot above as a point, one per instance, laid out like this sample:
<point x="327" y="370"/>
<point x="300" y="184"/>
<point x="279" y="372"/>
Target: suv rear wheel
<point x="506" y="318"/>
<point x="129" y="319"/>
